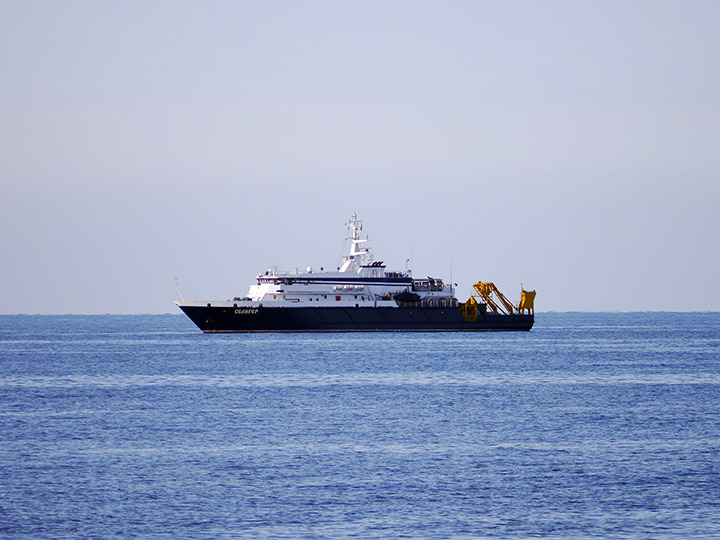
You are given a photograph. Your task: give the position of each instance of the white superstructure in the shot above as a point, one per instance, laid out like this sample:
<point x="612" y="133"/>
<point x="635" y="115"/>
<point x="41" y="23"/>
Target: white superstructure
<point x="358" y="282"/>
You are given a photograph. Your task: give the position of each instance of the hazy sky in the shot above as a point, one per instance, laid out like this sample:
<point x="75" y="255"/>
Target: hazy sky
<point x="573" y="147"/>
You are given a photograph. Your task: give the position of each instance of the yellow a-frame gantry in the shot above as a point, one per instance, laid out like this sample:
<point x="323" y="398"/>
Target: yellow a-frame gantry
<point x="496" y="302"/>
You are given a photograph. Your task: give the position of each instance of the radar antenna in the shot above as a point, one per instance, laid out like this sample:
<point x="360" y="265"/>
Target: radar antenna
<point x="358" y="256"/>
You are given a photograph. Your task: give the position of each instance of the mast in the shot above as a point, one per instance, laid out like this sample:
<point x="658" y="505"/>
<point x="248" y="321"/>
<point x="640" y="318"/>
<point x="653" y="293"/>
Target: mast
<point x="358" y="255"/>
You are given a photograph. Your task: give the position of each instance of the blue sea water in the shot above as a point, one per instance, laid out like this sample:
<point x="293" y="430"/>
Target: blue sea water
<point x="589" y="426"/>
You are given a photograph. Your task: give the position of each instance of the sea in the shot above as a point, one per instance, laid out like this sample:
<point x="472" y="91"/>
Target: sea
<point x="591" y="425"/>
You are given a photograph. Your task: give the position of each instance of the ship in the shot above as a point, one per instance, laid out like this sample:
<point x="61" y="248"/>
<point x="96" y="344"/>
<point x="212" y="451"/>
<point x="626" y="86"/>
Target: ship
<point x="361" y="295"/>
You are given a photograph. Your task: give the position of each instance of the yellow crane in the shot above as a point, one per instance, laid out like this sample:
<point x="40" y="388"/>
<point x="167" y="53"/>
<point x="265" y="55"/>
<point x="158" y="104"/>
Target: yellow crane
<point x="496" y="301"/>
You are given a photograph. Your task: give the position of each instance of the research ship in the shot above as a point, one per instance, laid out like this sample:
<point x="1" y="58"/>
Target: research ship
<point x="360" y="296"/>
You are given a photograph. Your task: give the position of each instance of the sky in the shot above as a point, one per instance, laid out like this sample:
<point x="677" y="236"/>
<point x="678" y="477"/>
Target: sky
<point x="567" y="147"/>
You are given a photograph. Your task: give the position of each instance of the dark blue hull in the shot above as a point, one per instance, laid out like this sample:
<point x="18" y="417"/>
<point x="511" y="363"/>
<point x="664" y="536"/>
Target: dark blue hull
<point x="349" y="319"/>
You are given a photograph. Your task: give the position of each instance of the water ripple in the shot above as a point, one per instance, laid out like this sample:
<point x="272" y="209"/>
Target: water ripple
<point x="307" y="380"/>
